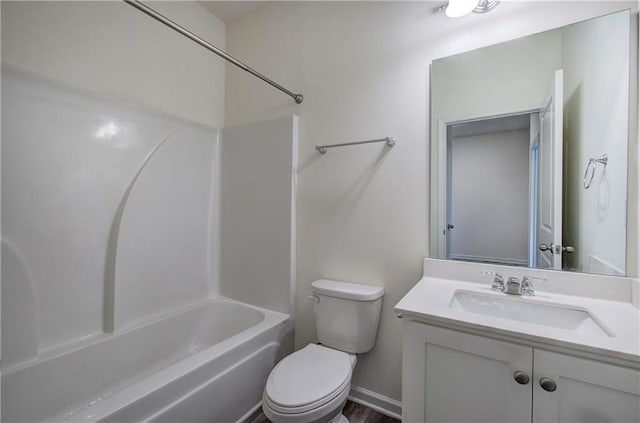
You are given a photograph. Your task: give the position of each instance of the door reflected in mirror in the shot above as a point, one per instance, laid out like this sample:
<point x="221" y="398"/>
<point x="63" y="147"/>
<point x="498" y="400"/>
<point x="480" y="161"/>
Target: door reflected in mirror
<point x="529" y="150"/>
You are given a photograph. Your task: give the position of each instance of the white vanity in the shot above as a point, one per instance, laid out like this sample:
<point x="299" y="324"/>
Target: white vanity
<point x="565" y="354"/>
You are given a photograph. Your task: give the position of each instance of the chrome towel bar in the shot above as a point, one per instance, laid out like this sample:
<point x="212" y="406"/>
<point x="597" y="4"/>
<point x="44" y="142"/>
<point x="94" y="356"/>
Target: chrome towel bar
<point x="390" y="141"/>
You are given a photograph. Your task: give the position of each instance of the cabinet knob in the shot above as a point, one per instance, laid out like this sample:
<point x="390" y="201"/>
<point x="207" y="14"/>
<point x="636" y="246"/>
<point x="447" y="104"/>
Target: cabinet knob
<point x="521" y="377"/>
<point x="547" y="384"/>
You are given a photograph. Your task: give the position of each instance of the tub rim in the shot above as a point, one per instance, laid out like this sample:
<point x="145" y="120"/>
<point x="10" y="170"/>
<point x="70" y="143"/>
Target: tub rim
<point x="59" y="350"/>
<point x="105" y="405"/>
<point x="126" y="396"/>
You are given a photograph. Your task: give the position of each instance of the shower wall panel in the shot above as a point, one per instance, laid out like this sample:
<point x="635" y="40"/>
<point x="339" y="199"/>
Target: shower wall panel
<point x="257" y="229"/>
<point x="68" y="160"/>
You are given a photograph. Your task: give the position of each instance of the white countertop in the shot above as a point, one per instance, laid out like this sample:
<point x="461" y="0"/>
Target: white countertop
<point x="430" y="299"/>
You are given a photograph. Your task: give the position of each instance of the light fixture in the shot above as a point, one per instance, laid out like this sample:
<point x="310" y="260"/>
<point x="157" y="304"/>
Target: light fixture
<point x="485" y="5"/>
<point x="458" y="8"/>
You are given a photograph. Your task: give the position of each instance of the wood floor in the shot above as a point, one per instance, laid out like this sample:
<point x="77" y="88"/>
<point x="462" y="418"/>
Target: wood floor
<point x="356" y="413"/>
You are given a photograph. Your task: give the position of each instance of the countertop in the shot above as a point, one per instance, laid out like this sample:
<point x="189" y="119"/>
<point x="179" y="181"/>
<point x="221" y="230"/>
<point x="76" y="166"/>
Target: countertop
<point x="431" y="298"/>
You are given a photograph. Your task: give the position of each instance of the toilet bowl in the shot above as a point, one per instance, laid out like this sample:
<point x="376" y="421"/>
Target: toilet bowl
<point x="312" y="384"/>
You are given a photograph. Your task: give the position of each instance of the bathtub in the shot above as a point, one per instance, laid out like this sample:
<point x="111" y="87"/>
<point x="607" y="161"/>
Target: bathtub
<point x="208" y="362"/>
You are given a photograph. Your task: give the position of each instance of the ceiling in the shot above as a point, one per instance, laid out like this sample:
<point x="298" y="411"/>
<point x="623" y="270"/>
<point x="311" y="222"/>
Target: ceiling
<point x="490" y="126"/>
<point x="230" y="10"/>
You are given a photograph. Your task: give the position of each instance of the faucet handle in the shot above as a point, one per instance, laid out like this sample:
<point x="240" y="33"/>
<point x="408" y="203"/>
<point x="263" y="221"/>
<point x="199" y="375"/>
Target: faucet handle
<point x="498" y="281"/>
<point x="527" y="286"/>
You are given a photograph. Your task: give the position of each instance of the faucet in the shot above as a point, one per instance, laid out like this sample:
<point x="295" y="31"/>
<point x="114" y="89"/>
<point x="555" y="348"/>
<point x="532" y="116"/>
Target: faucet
<point x="498" y="281"/>
<point x="524" y="287"/>
<point x="527" y="286"/>
<point x="514" y="287"/>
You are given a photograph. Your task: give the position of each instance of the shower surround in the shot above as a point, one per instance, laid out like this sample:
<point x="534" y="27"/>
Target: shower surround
<point x="111" y="253"/>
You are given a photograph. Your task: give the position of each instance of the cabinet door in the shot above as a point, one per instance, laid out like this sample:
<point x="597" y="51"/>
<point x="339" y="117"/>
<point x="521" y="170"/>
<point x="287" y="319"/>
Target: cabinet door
<point x="449" y="376"/>
<point x="585" y="390"/>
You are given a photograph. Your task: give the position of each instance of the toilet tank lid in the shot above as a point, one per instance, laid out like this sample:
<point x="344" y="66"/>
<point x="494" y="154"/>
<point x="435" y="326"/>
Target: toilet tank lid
<point x="346" y="290"/>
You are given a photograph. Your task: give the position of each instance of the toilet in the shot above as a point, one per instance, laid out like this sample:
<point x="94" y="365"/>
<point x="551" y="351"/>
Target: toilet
<point x="312" y="384"/>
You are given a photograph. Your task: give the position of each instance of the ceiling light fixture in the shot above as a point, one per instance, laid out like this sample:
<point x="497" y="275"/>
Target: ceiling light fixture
<point x="459" y="8"/>
<point x="485" y="5"/>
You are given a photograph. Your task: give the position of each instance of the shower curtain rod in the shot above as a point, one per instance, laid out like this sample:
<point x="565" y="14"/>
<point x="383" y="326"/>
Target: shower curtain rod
<point x="168" y="22"/>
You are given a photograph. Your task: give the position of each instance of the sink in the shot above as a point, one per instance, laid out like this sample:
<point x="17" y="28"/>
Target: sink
<point x="523" y="310"/>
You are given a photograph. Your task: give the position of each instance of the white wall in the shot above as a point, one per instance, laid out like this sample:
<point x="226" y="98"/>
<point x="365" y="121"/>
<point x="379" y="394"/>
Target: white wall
<point x="257" y="214"/>
<point x="363" y="68"/>
<point x="490" y="197"/>
<point x="596" y="123"/>
<point x="111" y="48"/>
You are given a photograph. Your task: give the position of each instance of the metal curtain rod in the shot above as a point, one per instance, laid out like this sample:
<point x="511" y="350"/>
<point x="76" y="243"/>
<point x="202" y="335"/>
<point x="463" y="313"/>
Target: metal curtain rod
<point x="168" y="22"/>
<point x="390" y="141"/>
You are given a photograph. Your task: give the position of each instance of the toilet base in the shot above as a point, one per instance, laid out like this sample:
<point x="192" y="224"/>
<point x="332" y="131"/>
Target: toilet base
<point x="340" y="418"/>
<point x="328" y="413"/>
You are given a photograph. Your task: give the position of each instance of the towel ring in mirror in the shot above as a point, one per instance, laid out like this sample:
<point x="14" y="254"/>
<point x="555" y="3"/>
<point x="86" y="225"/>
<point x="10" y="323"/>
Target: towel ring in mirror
<point x="590" y="170"/>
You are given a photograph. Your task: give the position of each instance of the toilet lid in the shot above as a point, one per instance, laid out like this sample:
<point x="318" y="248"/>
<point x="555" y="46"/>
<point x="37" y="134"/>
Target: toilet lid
<point x="310" y="376"/>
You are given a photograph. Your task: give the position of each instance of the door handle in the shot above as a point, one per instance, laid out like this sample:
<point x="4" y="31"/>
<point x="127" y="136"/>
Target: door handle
<point x="556" y="248"/>
<point x="449" y="226"/>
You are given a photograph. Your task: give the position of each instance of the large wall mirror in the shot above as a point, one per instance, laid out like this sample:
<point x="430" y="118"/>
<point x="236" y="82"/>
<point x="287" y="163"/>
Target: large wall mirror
<point x="530" y="148"/>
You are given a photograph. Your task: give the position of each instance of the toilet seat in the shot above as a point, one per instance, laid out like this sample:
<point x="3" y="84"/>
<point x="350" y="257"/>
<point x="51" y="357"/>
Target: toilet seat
<point x="308" y="379"/>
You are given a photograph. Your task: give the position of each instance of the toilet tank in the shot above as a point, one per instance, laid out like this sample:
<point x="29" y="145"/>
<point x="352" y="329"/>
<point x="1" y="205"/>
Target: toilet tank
<point x="347" y="314"/>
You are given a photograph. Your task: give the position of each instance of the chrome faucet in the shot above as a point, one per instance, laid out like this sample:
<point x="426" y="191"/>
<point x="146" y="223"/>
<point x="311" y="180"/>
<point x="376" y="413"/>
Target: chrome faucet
<point x="527" y="285"/>
<point x="513" y="286"/>
<point x="498" y="281"/>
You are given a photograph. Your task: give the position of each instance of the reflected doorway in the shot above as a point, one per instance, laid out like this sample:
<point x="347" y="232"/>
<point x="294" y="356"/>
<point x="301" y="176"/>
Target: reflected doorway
<point x="491" y="190"/>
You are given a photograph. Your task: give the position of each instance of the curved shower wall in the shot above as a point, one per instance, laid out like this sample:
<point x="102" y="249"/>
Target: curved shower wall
<point x="68" y="160"/>
<point x="19" y="312"/>
<point x="163" y="253"/>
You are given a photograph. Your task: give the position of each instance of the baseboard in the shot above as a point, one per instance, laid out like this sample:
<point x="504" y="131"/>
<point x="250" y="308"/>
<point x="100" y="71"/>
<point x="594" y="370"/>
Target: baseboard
<point x="380" y="403"/>
<point x="249" y="414"/>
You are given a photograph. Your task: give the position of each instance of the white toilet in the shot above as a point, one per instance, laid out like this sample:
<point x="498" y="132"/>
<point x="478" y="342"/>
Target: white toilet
<point x="312" y="384"/>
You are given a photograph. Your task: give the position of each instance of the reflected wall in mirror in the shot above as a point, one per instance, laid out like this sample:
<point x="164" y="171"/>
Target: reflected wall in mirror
<point x="529" y="150"/>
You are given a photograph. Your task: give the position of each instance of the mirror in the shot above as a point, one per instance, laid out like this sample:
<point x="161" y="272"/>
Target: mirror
<point x="529" y="150"/>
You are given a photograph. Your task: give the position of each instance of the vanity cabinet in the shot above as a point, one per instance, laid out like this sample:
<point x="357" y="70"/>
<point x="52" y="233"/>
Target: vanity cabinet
<point x="453" y="376"/>
<point x="586" y="390"/>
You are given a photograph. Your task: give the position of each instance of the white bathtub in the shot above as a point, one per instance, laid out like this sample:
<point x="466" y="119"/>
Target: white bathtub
<point x="208" y="362"/>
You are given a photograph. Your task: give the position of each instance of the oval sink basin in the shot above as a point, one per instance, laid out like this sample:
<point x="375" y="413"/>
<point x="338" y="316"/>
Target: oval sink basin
<point x="518" y="309"/>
